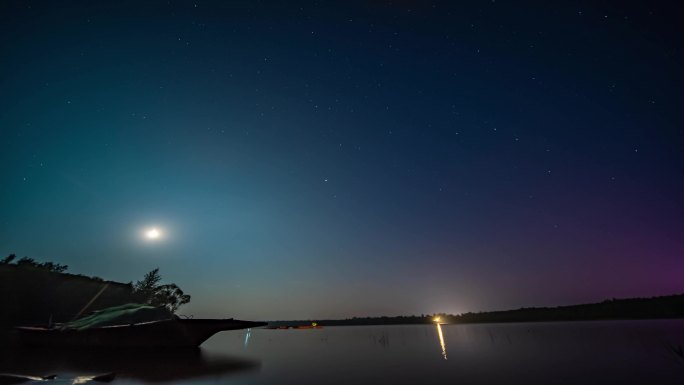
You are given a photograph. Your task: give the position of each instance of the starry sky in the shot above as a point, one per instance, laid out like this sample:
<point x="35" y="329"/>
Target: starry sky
<point x="320" y="159"/>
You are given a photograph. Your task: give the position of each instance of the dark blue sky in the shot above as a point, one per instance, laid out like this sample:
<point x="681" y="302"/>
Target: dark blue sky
<point x="318" y="160"/>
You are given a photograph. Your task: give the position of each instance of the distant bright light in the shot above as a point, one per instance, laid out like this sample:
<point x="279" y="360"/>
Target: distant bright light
<point x="152" y="233"/>
<point x="437" y="319"/>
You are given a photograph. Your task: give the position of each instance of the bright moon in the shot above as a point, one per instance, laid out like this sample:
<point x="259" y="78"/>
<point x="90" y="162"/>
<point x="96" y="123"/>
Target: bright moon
<point x="152" y="233"/>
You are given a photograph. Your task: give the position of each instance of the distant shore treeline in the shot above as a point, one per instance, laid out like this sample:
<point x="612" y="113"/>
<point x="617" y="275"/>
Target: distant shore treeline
<point x="671" y="306"/>
<point x="40" y="293"/>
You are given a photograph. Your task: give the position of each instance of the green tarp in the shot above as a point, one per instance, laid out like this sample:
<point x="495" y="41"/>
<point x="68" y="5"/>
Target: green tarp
<point x="130" y="313"/>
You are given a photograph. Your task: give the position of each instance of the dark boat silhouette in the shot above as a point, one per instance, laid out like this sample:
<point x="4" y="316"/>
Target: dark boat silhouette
<point x="128" y="326"/>
<point x="177" y="333"/>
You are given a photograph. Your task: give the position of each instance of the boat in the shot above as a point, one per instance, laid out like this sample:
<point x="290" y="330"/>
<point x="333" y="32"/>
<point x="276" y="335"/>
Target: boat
<point x="121" y="327"/>
<point x="156" y="334"/>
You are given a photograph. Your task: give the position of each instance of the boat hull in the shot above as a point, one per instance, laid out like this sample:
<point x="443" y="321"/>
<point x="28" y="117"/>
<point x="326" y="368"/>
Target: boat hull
<point x="174" y="333"/>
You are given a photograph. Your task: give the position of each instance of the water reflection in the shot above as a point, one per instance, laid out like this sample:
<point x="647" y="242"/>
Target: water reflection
<point x="442" y="344"/>
<point x="81" y="380"/>
<point x="108" y="377"/>
<point x="248" y="334"/>
<point x="143" y="365"/>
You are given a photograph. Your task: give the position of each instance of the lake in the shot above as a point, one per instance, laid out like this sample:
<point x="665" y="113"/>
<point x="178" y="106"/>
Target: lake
<point x="601" y="352"/>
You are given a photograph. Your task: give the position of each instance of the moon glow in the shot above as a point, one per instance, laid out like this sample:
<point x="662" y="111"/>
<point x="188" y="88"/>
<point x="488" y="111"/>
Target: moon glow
<point x="152" y="233"/>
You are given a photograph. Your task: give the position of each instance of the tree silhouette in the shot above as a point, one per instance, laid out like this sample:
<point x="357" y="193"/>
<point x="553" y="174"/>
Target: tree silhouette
<point x="31" y="263"/>
<point x="154" y="293"/>
<point x="148" y="285"/>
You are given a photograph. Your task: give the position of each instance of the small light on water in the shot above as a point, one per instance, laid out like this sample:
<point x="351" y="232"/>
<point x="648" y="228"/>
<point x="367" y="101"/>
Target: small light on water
<point x="81" y="380"/>
<point x="247" y="335"/>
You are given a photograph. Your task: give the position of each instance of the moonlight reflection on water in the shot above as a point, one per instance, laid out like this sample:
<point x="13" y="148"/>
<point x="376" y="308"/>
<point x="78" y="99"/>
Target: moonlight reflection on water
<point x="561" y="353"/>
<point x="441" y="340"/>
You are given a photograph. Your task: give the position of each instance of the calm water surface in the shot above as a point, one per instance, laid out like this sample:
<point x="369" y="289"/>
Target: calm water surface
<point x="620" y="352"/>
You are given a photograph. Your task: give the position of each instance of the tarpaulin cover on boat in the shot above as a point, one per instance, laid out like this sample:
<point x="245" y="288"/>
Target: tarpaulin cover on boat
<point x="127" y="314"/>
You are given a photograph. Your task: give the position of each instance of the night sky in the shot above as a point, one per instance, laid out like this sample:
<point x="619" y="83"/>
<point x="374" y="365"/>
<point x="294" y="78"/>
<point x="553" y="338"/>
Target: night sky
<point x="314" y="160"/>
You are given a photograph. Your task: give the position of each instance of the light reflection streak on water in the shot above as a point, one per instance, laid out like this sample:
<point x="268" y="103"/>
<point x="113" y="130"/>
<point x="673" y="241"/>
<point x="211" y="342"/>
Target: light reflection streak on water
<point x="247" y="335"/>
<point x="441" y="341"/>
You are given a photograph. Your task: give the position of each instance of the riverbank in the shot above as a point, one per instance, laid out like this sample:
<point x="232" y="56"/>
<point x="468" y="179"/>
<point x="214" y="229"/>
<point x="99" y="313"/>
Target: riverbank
<point x="663" y="307"/>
